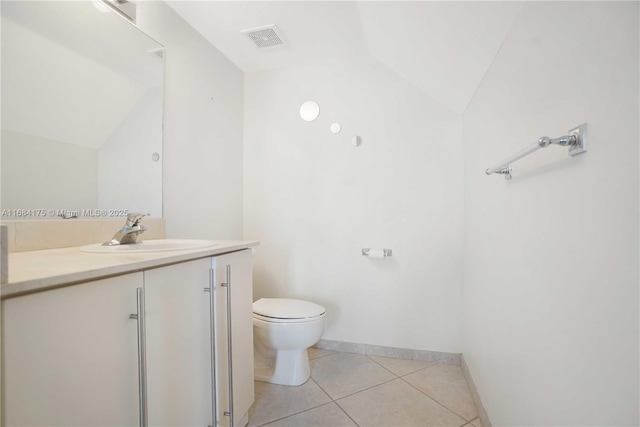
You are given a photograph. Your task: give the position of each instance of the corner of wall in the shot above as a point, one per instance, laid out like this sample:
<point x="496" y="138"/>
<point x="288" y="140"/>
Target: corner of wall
<point x="482" y="413"/>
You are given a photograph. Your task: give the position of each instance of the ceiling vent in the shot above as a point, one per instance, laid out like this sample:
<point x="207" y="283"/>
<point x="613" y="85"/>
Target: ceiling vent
<point x="268" y="36"/>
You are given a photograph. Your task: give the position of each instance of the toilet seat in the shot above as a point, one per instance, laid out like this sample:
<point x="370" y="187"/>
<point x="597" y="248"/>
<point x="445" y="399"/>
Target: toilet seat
<point x="280" y="310"/>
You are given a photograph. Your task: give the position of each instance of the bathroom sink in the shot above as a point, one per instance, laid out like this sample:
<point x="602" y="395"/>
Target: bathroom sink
<point x="160" y="245"/>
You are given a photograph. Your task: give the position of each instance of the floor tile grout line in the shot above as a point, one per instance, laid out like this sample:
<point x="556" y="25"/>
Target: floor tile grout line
<point x="365" y="389"/>
<point x="320" y="387"/>
<point x="334" y="401"/>
<point x="368" y="388"/>
<point x="310" y="409"/>
<point x="431" y="364"/>
<point x="300" y="412"/>
<point x="441" y="404"/>
<point x="388" y="381"/>
<point x="466" y="423"/>
<point x="474" y="420"/>
<point x="433" y="398"/>
<point x="346" y="413"/>
<point x="382" y="366"/>
<point x="322" y="355"/>
<point x="294" y="414"/>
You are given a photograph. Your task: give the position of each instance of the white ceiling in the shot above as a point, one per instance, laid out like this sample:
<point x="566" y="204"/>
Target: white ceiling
<point x="443" y="48"/>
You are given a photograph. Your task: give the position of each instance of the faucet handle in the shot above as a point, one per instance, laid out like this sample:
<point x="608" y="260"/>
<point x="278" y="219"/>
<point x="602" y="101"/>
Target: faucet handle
<point x="134" y="218"/>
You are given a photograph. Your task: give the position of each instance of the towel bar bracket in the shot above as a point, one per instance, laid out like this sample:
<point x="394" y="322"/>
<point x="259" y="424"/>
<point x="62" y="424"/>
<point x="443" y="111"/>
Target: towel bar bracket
<point x="581" y="144"/>
<point x="506" y="171"/>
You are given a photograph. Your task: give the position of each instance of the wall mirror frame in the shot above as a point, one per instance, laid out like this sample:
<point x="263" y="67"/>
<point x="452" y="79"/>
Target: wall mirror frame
<point x="82" y="111"/>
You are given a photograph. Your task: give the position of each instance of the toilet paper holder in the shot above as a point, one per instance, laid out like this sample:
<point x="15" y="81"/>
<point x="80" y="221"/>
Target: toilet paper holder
<point x="386" y="252"/>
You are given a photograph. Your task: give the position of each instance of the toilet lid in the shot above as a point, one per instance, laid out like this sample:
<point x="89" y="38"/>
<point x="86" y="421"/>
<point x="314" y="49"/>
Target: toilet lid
<point x="282" y="308"/>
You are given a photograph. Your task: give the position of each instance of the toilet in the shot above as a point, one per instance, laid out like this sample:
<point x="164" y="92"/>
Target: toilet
<point x="283" y="329"/>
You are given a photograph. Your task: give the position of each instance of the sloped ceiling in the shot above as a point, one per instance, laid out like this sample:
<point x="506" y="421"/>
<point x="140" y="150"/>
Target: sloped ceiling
<point x="71" y="73"/>
<point x="443" y="48"/>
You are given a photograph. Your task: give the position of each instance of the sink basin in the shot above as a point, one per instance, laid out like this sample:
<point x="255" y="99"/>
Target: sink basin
<point x="160" y="245"/>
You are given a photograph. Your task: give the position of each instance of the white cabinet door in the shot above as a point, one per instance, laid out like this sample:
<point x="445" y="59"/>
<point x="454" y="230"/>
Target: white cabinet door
<point x="178" y="345"/>
<point x="69" y="356"/>
<point x="178" y="332"/>
<point x="240" y="279"/>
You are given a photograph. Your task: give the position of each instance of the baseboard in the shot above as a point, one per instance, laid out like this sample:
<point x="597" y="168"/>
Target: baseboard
<point x="482" y="413"/>
<point x="378" y="350"/>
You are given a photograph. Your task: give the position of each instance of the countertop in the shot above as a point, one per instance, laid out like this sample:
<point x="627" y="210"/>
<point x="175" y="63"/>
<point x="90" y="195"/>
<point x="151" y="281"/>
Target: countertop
<point x="35" y="271"/>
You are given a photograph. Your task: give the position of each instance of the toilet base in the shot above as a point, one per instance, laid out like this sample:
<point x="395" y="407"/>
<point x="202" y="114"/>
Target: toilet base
<point x="289" y="367"/>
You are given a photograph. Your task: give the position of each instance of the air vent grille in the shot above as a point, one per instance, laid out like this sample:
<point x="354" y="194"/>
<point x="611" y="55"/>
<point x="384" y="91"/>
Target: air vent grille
<point x="265" y="36"/>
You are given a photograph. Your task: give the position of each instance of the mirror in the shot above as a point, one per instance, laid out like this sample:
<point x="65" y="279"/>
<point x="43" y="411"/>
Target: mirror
<point x="309" y="111"/>
<point x="82" y="94"/>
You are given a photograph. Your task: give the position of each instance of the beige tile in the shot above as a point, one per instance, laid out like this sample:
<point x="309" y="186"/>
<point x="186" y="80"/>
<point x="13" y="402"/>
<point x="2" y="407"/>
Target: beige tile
<point x="396" y="403"/>
<point x="4" y="254"/>
<point x="342" y="374"/>
<point x="329" y="415"/>
<point x="383" y="351"/>
<point x="273" y="402"/>
<point x="11" y="235"/>
<point x="401" y="367"/>
<point x="314" y="353"/>
<point x="344" y="347"/>
<point x="36" y="235"/>
<point x="476" y="423"/>
<point x="445" y="384"/>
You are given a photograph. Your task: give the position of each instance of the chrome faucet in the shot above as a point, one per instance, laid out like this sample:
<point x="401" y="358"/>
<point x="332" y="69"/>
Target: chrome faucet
<point x="129" y="233"/>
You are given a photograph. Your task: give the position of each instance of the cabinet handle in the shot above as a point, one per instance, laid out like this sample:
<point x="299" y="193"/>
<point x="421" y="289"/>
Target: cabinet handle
<point x="229" y="349"/>
<point x="213" y="324"/>
<point x="142" y="357"/>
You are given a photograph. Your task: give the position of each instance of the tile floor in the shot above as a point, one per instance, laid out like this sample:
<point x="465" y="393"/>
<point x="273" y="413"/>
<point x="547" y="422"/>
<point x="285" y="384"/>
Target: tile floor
<point x="348" y="389"/>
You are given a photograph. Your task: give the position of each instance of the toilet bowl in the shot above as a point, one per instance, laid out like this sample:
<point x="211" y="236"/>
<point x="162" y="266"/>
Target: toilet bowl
<point x="283" y="329"/>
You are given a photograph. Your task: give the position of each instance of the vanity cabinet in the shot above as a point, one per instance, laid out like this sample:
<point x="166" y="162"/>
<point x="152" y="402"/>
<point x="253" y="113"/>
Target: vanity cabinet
<point x="71" y="355"/>
<point x="182" y="387"/>
<point x="178" y="349"/>
<point x="237" y="269"/>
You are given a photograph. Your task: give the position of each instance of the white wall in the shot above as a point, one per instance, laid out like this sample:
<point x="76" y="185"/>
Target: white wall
<point x="551" y="258"/>
<point x="203" y="121"/>
<point x="126" y="155"/>
<point x="551" y="266"/>
<point x="313" y="200"/>
<point x="40" y="173"/>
